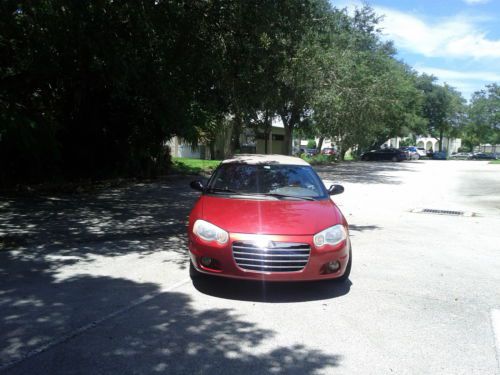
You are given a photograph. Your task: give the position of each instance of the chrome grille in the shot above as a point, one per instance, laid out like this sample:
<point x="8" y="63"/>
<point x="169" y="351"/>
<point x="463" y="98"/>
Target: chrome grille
<point x="275" y="257"/>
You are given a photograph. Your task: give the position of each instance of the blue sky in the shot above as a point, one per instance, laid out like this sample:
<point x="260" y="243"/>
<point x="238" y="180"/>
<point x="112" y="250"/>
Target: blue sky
<point x="458" y="41"/>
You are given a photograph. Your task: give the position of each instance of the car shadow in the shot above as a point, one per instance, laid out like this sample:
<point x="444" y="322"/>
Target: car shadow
<point x="272" y="292"/>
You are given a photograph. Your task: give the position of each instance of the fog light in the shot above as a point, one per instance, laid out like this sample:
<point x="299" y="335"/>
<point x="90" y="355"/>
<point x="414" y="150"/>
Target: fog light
<point x="333" y="266"/>
<point x="206" y="261"/>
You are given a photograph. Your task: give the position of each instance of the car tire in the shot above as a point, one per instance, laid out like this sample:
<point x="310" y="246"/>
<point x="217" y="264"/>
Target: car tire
<point x="394" y="158"/>
<point x="347" y="273"/>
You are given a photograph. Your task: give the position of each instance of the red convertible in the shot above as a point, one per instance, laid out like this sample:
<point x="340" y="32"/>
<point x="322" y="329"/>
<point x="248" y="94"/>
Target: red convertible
<point x="268" y="217"/>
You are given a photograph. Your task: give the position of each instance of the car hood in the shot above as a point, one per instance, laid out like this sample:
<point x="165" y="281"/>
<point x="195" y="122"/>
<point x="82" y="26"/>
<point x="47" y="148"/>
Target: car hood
<point x="279" y="217"/>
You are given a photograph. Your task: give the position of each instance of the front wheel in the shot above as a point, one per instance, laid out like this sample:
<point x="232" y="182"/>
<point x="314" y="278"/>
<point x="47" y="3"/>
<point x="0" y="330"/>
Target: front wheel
<point x="394" y="158"/>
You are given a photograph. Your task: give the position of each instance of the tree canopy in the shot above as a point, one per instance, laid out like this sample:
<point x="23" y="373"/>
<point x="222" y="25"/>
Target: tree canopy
<point x="93" y="89"/>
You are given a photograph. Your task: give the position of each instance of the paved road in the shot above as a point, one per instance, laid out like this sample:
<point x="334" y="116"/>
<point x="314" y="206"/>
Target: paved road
<point x="95" y="284"/>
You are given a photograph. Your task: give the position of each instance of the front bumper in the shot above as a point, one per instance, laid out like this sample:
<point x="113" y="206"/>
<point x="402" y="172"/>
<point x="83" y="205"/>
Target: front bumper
<point x="226" y="266"/>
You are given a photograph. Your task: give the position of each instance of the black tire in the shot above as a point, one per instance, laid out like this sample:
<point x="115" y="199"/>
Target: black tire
<point x="394" y="158"/>
<point x="345" y="276"/>
<point x="365" y="158"/>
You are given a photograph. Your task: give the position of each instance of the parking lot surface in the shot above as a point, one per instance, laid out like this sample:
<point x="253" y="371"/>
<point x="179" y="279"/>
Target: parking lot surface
<point x="98" y="283"/>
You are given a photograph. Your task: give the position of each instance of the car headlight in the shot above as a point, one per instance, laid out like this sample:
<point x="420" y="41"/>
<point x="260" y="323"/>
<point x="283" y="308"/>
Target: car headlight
<point x="330" y="236"/>
<point x="210" y="232"/>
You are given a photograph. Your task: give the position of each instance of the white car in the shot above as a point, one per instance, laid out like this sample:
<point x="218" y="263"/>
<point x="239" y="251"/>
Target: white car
<point x="421" y="152"/>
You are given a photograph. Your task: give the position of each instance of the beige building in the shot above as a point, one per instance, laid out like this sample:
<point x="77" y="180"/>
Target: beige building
<point x="451" y="145"/>
<point x="252" y="142"/>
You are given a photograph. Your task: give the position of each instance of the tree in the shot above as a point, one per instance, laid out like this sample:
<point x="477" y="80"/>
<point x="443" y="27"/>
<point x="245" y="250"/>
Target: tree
<point x="484" y="117"/>
<point x="367" y="96"/>
<point x="443" y="108"/>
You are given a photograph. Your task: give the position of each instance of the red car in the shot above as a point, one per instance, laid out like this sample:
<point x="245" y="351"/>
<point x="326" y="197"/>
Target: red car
<point x="329" y="151"/>
<point x="268" y="217"/>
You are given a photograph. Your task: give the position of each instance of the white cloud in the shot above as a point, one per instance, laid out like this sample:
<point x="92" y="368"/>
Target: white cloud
<point x="455" y="37"/>
<point x="466" y="82"/>
<point x="446" y="74"/>
<point x="474" y="2"/>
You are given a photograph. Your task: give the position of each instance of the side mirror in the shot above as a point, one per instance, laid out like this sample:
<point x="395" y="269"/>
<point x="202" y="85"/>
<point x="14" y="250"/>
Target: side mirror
<point x="335" y="189"/>
<point x="197" y="185"/>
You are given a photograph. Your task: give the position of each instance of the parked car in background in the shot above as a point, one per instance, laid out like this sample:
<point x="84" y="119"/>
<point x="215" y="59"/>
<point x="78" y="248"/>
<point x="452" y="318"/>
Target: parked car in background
<point x="483" y="156"/>
<point x="439" y="155"/>
<point x="329" y="151"/>
<point x="241" y="226"/>
<point x="461" y="156"/>
<point x="421" y="152"/>
<point x="411" y="152"/>
<point x="390" y="154"/>
<point x="310" y="152"/>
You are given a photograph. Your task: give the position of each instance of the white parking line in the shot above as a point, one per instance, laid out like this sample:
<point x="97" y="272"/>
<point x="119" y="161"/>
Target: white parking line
<point x="86" y="327"/>
<point x="495" y="322"/>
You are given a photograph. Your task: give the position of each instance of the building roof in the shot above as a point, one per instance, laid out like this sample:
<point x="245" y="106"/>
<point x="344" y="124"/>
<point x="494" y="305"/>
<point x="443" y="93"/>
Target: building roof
<point x="265" y="159"/>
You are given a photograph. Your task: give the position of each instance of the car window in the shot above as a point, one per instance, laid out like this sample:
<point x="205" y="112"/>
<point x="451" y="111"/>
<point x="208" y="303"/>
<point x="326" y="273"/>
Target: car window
<point x="294" y="180"/>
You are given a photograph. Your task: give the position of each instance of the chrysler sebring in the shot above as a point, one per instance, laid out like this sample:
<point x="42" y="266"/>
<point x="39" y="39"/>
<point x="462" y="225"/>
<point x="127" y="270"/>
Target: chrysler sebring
<point x="268" y="217"/>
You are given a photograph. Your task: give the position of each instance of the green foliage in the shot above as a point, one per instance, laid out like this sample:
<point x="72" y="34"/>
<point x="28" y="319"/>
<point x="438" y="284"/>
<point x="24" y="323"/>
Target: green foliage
<point x="443" y="108"/>
<point x="94" y="89"/>
<point x="410" y="141"/>
<point x="193" y="166"/>
<point x="484" y="117"/>
<point x="319" y="159"/>
<point x="311" y="143"/>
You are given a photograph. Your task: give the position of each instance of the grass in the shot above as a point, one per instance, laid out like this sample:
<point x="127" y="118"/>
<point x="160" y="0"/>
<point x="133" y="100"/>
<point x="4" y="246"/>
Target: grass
<point x="348" y="156"/>
<point x="495" y="162"/>
<point x="193" y="166"/>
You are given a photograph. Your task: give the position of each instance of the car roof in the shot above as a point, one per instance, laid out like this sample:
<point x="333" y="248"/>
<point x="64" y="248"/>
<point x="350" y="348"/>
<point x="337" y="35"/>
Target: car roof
<point x="255" y="159"/>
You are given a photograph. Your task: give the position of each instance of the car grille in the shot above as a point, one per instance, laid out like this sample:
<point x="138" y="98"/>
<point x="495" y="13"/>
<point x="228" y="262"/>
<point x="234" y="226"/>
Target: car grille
<point x="275" y="257"/>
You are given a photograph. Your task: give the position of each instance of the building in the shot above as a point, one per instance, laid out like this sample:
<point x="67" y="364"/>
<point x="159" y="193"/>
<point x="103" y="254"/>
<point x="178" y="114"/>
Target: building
<point x="251" y="141"/>
<point x="450" y="145"/>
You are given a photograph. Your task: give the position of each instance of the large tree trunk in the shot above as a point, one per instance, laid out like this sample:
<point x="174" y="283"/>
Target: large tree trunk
<point x="267" y="130"/>
<point x="287" y="140"/>
<point x="212" y="150"/>
<point x="320" y="144"/>
<point x="441" y="140"/>
<point x="235" y="140"/>
<point x="289" y="121"/>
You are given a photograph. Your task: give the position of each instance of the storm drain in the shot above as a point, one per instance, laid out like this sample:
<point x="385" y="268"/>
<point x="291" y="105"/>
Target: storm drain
<point x="442" y="212"/>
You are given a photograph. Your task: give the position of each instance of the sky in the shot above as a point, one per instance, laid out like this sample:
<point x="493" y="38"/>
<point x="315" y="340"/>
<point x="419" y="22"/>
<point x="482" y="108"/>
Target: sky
<point x="458" y="41"/>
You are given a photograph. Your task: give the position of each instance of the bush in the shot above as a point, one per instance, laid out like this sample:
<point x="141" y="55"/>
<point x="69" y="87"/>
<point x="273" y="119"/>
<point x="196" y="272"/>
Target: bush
<point x="319" y="159"/>
<point x="311" y="143"/>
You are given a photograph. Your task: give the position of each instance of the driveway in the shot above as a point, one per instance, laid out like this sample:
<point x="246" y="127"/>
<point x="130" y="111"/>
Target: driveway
<point x="97" y="283"/>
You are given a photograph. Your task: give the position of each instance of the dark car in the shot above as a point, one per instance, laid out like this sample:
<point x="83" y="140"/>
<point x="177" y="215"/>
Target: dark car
<point x="310" y="152"/>
<point x="439" y="155"/>
<point x="391" y="154"/>
<point x="483" y="156"/>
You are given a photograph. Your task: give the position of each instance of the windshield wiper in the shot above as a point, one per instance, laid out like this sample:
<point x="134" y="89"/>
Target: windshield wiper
<point x="220" y="190"/>
<point x="277" y="195"/>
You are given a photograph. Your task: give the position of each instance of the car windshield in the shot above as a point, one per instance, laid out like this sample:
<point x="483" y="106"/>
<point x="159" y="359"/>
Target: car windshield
<point x="274" y="179"/>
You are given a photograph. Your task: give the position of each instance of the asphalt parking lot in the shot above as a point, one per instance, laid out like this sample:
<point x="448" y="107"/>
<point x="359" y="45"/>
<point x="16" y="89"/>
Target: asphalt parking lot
<point x="98" y="283"/>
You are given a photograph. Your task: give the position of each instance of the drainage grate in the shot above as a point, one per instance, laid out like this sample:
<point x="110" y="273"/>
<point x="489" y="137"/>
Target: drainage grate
<point x="442" y="212"/>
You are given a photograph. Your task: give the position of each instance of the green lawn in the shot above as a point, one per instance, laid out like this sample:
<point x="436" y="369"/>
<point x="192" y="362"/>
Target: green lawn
<point x="495" y="162"/>
<point x="193" y="166"/>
